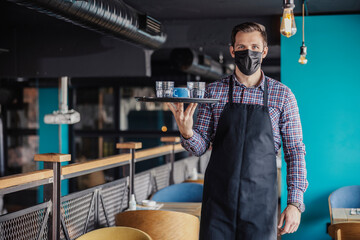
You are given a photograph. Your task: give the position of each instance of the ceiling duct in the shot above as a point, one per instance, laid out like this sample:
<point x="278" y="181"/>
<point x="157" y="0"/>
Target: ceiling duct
<point x="111" y="17"/>
<point x="187" y="60"/>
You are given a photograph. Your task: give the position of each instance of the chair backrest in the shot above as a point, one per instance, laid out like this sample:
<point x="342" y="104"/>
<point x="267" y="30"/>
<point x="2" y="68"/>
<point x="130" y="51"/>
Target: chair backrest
<point x="345" y="231"/>
<point x="161" y="225"/>
<point x="116" y="233"/>
<point x="345" y="197"/>
<point x="182" y="192"/>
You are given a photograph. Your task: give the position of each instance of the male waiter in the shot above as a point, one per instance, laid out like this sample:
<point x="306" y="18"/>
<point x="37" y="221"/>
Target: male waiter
<point x="246" y="128"/>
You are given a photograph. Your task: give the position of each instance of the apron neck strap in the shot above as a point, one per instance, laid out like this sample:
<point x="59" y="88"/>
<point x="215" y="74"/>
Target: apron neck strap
<point x="265" y="101"/>
<point x="231" y="86"/>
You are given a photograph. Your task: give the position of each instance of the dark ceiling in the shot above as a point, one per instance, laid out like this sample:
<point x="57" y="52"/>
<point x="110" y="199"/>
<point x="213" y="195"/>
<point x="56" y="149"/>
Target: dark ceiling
<point x="197" y="24"/>
<point x="215" y="9"/>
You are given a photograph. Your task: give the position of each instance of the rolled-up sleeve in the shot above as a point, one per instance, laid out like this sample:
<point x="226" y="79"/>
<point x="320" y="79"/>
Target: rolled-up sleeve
<point x="203" y="130"/>
<point x="294" y="150"/>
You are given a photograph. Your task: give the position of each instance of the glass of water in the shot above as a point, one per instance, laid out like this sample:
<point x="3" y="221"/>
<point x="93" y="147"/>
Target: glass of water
<point x="164" y="88"/>
<point x="196" y="89"/>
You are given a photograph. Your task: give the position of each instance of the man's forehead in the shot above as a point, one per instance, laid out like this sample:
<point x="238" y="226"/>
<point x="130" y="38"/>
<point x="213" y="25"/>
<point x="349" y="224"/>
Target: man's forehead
<point x="251" y="37"/>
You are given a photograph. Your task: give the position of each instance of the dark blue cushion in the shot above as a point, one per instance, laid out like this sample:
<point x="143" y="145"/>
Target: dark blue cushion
<point x="346" y="197"/>
<point x="182" y="192"/>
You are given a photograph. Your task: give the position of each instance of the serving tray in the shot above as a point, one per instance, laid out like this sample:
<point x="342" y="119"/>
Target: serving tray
<point x="176" y="99"/>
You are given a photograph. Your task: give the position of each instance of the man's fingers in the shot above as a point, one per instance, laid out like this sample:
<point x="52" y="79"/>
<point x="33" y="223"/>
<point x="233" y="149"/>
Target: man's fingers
<point x="286" y="228"/>
<point x="292" y="228"/>
<point x="296" y="228"/>
<point x="180" y="107"/>
<point x="291" y="218"/>
<point x="193" y="109"/>
<point x="188" y="109"/>
<point x="281" y="220"/>
<point x="176" y="108"/>
<point x="171" y="107"/>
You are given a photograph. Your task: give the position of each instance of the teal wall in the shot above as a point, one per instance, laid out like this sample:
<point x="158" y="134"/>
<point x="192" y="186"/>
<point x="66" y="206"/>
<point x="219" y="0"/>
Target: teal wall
<point x="49" y="133"/>
<point x="328" y="93"/>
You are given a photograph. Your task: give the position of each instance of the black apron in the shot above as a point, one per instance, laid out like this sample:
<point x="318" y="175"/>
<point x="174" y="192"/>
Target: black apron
<point x="240" y="189"/>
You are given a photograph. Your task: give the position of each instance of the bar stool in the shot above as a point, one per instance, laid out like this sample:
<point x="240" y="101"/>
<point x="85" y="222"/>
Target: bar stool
<point x="161" y="225"/>
<point x="116" y="233"/>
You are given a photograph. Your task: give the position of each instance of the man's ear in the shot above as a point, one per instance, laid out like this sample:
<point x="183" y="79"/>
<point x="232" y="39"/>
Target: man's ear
<point x="232" y="53"/>
<point x="265" y="52"/>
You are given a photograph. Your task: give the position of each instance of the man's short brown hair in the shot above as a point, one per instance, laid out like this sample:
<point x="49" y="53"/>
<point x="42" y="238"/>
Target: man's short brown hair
<point x="249" y="27"/>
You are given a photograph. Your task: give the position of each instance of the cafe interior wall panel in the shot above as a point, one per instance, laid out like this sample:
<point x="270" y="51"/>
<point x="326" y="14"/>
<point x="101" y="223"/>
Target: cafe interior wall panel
<point x="327" y="91"/>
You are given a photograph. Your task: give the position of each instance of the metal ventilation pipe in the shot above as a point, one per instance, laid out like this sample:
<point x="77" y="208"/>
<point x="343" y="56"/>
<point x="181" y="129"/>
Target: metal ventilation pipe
<point x="187" y="60"/>
<point x="112" y="17"/>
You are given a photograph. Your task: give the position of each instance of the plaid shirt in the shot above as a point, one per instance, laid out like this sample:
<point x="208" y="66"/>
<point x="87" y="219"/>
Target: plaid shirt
<point x="285" y="119"/>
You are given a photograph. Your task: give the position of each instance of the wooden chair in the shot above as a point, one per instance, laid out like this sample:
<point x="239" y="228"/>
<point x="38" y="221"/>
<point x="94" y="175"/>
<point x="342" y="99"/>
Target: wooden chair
<point x="161" y="225"/>
<point x="345" y="231"/>
<point x="116" y="233"/>
<point x="344" y="197"/>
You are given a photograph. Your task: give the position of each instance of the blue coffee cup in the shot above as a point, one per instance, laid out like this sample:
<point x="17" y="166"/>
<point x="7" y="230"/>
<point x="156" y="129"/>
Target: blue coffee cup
<point x="181" y="92"/>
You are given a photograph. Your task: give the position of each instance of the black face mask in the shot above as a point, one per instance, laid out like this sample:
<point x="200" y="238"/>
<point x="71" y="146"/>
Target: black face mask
<point x="248" y="61"/>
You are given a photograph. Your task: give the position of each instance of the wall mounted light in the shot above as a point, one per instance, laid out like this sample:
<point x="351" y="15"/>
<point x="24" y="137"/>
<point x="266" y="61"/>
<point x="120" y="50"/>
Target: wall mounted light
<point x="288" y="27"/>
<point x="303" y="48"/>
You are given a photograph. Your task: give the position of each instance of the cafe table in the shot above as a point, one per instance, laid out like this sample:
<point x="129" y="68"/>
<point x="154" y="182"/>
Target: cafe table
<point x="340" y="215"/>
<point x="193" y="208"/>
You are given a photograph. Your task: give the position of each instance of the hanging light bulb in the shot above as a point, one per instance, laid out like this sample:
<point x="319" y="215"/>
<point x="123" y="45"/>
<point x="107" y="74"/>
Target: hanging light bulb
<point x="288" y="27"/>
<point x="303" y="48"/>
<point x="303" y="52"/>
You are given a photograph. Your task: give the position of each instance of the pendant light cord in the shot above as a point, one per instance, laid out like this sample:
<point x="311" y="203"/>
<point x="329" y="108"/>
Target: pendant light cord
<point x="303" y="23"/>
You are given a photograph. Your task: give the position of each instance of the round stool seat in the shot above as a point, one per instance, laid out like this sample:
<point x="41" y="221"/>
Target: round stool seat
<point x="161" y="225"/>
<point x="116" y="233"/>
